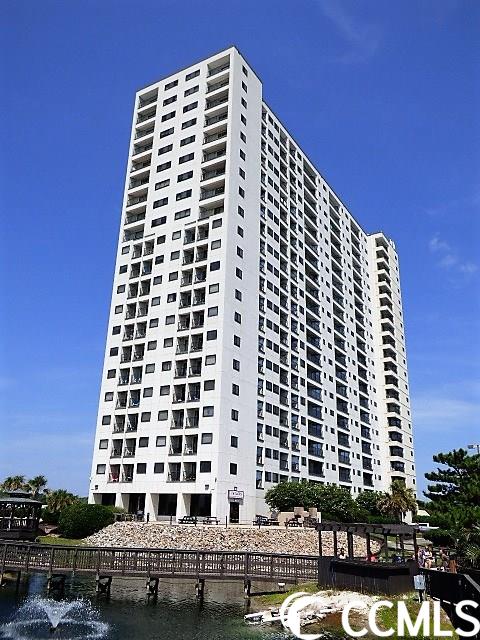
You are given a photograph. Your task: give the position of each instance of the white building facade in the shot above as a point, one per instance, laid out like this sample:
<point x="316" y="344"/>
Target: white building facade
<point x="256" y="332"/>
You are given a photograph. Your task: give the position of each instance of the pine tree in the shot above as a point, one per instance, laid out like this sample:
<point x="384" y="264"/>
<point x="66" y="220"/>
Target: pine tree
<point x="454" y="499"/>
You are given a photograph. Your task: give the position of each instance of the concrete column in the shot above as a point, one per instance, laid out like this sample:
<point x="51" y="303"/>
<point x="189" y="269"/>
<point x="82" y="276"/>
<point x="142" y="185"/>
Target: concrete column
<point x="151" y="506"/>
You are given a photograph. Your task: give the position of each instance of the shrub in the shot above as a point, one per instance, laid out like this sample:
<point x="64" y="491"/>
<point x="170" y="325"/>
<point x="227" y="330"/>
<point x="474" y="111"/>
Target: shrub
<point x="80" y="520"/>
<point x="440" y="537"/>
<point x="50" y="517"/>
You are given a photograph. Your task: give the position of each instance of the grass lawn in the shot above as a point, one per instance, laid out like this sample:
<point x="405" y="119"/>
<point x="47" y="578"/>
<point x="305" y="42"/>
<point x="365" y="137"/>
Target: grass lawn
<point x="386" y="618"/>
<point x="70" y="542"/>
<point x="276" y="599"/>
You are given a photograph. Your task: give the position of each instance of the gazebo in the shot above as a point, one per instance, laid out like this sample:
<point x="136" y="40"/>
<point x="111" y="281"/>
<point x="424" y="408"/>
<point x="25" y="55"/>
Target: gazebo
<point x="399" y="532"/>
<point x="19" y="516"/>
<point x="371" y="568"/>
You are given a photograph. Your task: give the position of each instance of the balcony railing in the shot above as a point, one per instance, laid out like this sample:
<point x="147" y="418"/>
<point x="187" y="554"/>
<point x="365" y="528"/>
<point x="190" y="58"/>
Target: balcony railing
<point x="143" y="102"/>
<point x="212" y="137"/>
<point x="217" y="70"/>
<point x="212" y="193"/>
<point x="144" y="132"/>
<point x="141" y="149"/>
<point x="217" y="85"/>
<point x="214" y="119"/>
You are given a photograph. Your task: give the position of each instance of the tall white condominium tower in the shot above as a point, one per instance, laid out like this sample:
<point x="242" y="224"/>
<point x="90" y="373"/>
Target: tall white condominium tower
<point x="256" y="331"/>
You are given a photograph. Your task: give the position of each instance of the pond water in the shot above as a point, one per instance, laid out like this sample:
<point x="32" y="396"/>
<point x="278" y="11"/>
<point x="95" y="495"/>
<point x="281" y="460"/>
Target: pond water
<point x="128" y="615"/>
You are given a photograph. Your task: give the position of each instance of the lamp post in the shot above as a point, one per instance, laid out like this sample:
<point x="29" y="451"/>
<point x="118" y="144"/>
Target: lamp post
<point x="475" y="446"/>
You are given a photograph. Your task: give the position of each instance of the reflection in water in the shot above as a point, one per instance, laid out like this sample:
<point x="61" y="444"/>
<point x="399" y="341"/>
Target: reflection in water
<point x="128" y="614"/>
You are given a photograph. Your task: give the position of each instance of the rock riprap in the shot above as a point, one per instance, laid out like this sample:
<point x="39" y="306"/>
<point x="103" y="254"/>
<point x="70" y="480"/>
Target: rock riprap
<point x="266" y="540"/>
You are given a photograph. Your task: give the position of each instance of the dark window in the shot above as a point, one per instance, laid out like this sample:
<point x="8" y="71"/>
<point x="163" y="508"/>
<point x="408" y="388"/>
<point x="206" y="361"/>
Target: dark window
<point x="186" y="158"/>
<point x="183" y="194"/>
<point x="190" y="107"/>
<point x="166" y="132"/>
<point x="188" y="140"/>
<point x="165" y="149"/>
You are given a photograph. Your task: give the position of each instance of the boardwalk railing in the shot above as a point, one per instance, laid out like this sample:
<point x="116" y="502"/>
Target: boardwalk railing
<point x="158" y="562"/>
<point x="452" y="588"/>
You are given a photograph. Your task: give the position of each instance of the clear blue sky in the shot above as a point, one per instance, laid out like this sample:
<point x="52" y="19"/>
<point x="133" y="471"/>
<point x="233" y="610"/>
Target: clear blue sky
<point x="384" y="98"/>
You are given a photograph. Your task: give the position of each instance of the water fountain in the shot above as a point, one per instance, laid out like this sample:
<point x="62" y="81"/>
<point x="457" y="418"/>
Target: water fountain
<point x="43" y="619"/>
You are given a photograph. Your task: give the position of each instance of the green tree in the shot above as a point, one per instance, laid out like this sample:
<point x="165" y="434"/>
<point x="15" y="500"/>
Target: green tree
<point x="59" y="499"/>
<point x="37" y="485"/>
<point x="398" y="502"/>
<point x="454" y="502"/>
<point x="13" y="483"/>
<point x="335" y="503"/>
<point x="285" y="496"/>
<point x="368" y="501"/>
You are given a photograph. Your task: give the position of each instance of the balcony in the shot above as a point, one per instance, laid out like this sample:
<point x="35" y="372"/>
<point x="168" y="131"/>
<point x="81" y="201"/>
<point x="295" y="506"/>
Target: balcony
<point x="216" y="70"/>
<point x="144" y="102"/>
<point x="214" y="86"/>
<point x="213" y="137"/>
<point x="216" y="119"/>
<point x="141" y="133"/>
<point x="214" y="173"/>
<point x="138" y="149"/>
<point x="139" y="182"/>
<point x="211" y="104"/>
<point x="212" y="193"/>
<point x="146" y="115"/>
<point x="134" y="217"/>
<point x="136" y="200"/>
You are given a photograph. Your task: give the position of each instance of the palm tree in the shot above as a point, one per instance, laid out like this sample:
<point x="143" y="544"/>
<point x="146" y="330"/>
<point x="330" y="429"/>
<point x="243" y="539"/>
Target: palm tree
<point x="37" y="485"/>
<point x="58" y="499"/>
<point x="400" y="500"/>
<point x="13" y="483"/>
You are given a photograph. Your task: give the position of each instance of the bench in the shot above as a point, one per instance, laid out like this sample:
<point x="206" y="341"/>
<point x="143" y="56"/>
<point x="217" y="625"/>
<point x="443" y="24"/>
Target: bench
<point x="293" y="522"/>
<point x="210" y="520"/>
<point x="188" y="520"/>
<point x="263" y="521"/>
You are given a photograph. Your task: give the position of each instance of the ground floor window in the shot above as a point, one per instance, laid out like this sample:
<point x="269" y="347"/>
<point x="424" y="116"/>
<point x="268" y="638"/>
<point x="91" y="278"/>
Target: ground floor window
<point x="200" y="504"/>
<point x="167" y="504"/>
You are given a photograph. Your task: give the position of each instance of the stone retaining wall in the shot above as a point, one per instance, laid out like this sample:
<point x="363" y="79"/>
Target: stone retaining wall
<point x="218" y="538"/>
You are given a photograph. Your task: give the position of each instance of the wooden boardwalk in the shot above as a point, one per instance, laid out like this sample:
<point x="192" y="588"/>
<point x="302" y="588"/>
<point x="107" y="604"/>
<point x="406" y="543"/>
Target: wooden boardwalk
<point x="229" y="565"/>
